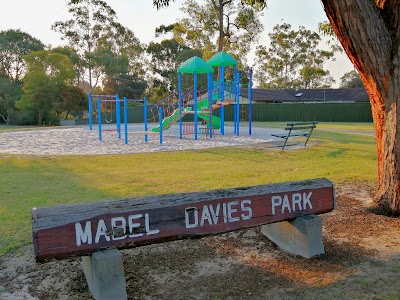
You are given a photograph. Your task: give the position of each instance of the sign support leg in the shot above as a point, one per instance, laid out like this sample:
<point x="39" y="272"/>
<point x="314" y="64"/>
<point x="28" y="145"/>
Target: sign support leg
<point x="302" y="236"/>
<point x="104" y="274"/>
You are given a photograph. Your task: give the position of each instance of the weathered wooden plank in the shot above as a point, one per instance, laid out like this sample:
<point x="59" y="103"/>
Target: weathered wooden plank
<point x="80" y="229"/>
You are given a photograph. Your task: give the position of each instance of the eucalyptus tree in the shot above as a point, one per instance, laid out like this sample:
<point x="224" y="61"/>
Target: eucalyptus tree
<point x="219" y="25"/>
<point x="351" y="79"/>
<point x="293" y="60"/>
<point x="14" y="44"/>
<point x="10" y="91"/>
<point x="47" y="77"/>
<point x="93" y="24"/>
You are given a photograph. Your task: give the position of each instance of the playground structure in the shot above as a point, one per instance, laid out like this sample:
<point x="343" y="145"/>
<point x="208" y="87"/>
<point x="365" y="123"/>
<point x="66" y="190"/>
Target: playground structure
<point x="201" y="104"/>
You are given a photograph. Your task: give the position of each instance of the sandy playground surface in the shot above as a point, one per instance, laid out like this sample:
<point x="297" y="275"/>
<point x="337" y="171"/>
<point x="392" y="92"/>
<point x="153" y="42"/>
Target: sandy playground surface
<point x="80" y="140"/>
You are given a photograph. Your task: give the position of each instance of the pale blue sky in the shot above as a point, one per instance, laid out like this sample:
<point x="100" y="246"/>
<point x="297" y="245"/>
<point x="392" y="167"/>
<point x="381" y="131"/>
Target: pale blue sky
<point x="36" y="18"/>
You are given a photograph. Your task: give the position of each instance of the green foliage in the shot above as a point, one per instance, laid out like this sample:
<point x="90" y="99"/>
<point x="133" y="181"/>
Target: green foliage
<point x="238" y="27"/>
<point x="351" y="79"/>
<point x="10" y="91"/>
<point x="325" y="29"/>
<point x="293" y="60"/>
<point x="130" y="86"/>
<point x="14" y="44"/>
<point x="164" y="59"/>
<point x="104" y="45"/>
<point x="73" y="99"/>
<point x="47" y="76"/>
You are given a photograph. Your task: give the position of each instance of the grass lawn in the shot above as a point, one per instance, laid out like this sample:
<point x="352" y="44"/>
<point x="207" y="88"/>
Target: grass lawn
<point x="27" y="181"/>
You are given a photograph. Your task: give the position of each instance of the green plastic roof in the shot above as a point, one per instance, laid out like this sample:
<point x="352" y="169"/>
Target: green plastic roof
<point x="222" y="58"/>
<point x="195" y="64"/>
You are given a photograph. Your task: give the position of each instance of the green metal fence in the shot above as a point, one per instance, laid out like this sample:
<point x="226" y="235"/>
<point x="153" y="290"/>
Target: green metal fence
<point x="322" y="112"/>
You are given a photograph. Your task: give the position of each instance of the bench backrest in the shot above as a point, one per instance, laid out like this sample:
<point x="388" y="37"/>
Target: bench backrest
<point x="80" y="229"/>
<point x="301" y="125"/>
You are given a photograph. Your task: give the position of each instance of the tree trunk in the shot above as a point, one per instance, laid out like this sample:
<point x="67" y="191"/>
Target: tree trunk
<point x="40" y="117"/>
<point x="369" y="31"/>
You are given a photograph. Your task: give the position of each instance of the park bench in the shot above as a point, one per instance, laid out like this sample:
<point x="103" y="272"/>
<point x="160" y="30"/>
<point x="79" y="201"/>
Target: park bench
<point x="96" y="230"/>
<point x="296" y="129"/>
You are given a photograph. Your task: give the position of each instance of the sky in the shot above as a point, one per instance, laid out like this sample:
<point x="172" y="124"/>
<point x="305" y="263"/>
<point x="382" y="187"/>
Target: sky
<point x="36" y="18"/>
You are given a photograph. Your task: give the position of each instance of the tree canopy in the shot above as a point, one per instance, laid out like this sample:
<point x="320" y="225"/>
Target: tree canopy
<point x="14" y="44"/>
<point x="293" y="60"/>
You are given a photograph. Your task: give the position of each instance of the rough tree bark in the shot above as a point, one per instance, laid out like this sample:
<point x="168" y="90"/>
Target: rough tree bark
<point x="369" y="31"/>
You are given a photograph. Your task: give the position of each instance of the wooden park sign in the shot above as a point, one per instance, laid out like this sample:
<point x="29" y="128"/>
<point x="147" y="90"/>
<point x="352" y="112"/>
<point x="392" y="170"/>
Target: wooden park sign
<point x="80" y="229"/>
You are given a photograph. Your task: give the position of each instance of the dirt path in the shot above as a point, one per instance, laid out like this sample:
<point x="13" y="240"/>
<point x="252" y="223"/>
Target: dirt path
<point x="362" y="261"/>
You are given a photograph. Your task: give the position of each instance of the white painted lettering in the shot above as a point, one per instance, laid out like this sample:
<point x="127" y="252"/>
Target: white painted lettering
<point x="205" y="216"/>
<point x="101" y="230"/>
<point x="246" y="209"/>
<point x="147" y="224"/>
<point x="133" y="225"/>
<point x="121" y="227"/>
<point x="296" y="199"/>
<point x="306" y="200"/>
<point x="231" y="211"/>
<point x="191" y="211"/>
<point x="215" y="213"/>
<point x="286" y="204"/>
<point x="224" y="212"/>
<point x="276" y="201"/>
<point x="83" y="236"/>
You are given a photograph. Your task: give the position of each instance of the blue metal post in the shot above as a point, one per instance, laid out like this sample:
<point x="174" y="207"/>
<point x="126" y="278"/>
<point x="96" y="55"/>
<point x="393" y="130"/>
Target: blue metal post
<point x="126" y="120"/>
<point x="234" y="100"/>
<point x="161" y="118"/>
<point x="195" y="104"/>
<point x="210" y="87"/>
<point x="250" y="96"/>
<point x="145" y="119"/>
<point x="222" y="84"/>
<point x="99" y="118"/>
<point x="118" y="115"/>
<point x="237" y="97"/>
<point x="90" y="105"/>
<point x="180" y="103"/>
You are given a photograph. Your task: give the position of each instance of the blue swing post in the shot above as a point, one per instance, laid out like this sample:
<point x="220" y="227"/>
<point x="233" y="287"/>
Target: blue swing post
<point x="118" y="115"/>
<point x="126" y="120"/>
<point x="99" y="118"/>
<point x="235" y="119"/>
<point x="145" y="119"/>
<point x="90" y="105"/>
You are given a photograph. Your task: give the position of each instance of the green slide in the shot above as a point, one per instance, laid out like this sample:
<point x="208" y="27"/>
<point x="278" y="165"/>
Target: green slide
<point x="216" y="122"/>
<point x="168" y="121"/>
<point x="203" y="104"/>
